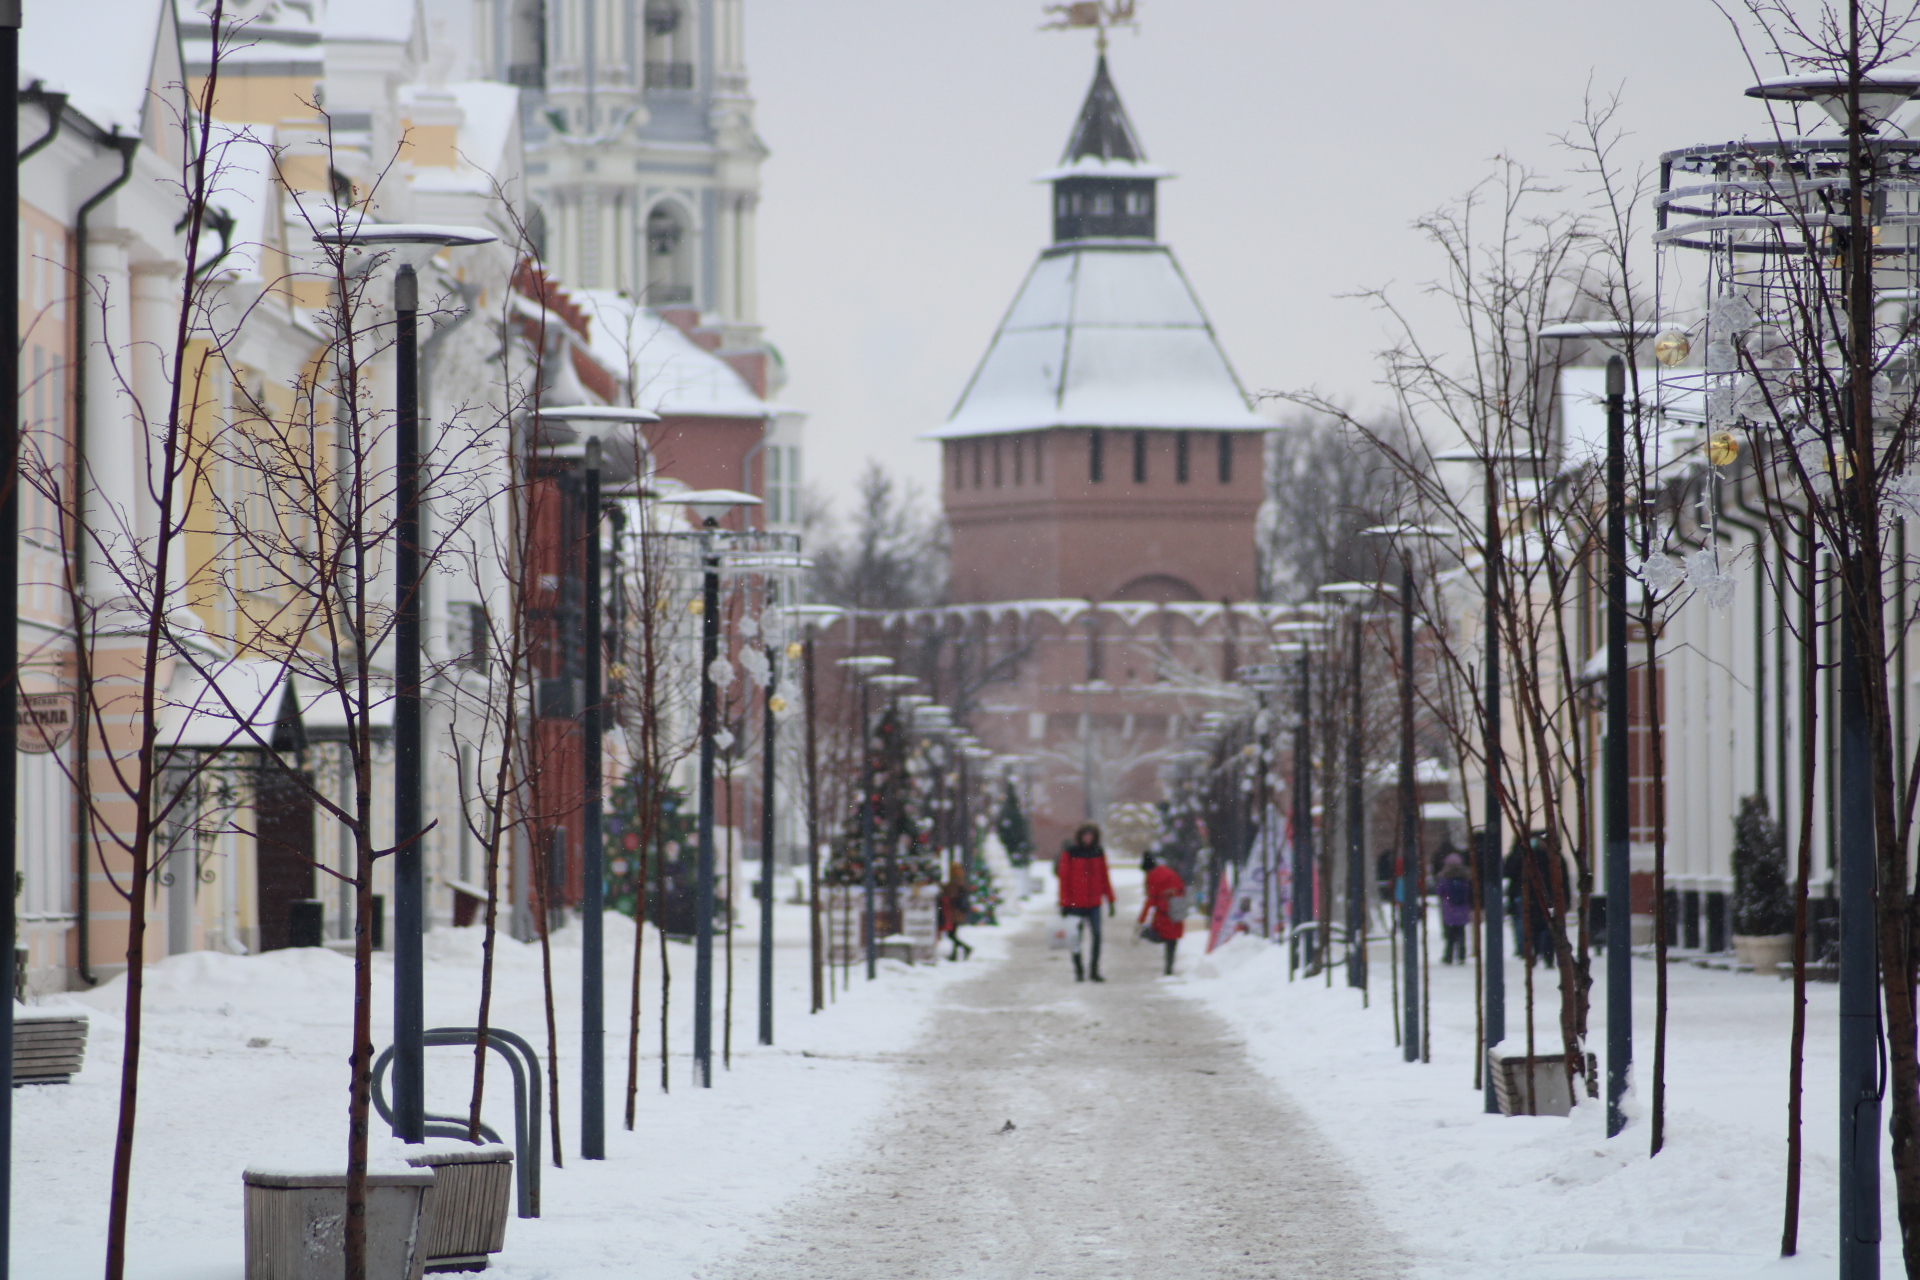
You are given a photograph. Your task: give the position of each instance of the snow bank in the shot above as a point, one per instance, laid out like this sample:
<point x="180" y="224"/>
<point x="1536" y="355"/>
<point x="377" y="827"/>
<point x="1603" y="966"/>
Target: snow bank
<point x="245" y="1064"/>
<point x="1549" y="1197"/>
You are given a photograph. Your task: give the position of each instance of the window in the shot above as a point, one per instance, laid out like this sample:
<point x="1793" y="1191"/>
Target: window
<point x="977" y="456"/>
<point x="669" y="256"/>
<point x="1139" y="204"/>
<point x="1139" y="457"/>
<point x="996" y="462"/>
<point x="1096" y="464"/>
<point x="773" y="484"/>
<point x="1103" y="205"/>
<point x="1643" y="791"/>
<point x="1181" y="466"/>
<point x="1226" y="457"/>
<point x="959" y="467"/>
<point x="1019" y="460"/>
<point x="1039" y="470"/>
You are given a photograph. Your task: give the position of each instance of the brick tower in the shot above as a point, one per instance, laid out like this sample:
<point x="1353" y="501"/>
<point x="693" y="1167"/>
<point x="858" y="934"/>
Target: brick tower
<point x="1104" y="449"/>
<point x="1103" y="476"/>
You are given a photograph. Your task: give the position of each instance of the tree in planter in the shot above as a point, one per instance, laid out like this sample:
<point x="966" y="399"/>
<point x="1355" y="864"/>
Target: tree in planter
<point x="1762" y="897"/>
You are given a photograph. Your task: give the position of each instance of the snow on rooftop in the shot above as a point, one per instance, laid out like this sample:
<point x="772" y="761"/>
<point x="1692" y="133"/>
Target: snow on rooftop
<point x="99" y="52"/>
<point x="671" y="375"/>
<point x="388" y="20"/>
<point x="242" y="163"/>
<point x="489" y="112"/>
<point x="1103" y="335"/>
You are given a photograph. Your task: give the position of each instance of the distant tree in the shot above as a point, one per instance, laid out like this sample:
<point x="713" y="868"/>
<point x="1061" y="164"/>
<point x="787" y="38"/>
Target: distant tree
<point x="1325" y="483"/>
<point x="893" y="555"/>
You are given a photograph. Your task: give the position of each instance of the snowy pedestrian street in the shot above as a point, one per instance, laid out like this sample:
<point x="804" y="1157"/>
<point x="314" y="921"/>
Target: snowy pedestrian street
<point x="1049" y="1128"/>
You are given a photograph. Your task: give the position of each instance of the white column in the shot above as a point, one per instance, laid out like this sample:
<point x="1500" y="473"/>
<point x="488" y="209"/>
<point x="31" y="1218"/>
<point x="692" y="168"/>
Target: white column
<point x="154" y="327"/>
<point x="112" y="452"/>
<point x="748" y="267"/>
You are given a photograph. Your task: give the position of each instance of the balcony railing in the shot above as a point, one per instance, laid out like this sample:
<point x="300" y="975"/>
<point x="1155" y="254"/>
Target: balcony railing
<point x="669" y="75"/>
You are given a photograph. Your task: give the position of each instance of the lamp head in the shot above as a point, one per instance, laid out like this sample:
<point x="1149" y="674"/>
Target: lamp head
<point x="367" y="244"/>
<point x="712" y="505"/>
<point x="1883" y="91"/>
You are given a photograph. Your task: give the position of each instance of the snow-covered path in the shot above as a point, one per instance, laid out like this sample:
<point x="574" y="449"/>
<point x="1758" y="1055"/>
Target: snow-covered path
<point x="1144" y="1143"/>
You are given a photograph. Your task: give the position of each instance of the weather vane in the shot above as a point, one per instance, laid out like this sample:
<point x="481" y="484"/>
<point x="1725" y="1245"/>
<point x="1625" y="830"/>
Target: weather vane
<point x="1098" y="14"/>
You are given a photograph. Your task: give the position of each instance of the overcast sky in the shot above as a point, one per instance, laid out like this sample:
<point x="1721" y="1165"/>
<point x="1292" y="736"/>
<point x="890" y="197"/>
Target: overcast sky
<point x="899" y="213"/>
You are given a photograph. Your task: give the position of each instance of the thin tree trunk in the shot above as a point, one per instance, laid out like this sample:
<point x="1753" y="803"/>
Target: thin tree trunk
<point x="1796" y="1061"/>
<point x="1658" y="763"/>
<point x="543" y="874"/>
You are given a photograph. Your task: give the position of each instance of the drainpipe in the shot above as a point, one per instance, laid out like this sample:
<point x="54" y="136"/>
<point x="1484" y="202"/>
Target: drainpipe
<point x="128" y="148"/>
<point x="55" y="105"/>
<point x="746" y="475"/>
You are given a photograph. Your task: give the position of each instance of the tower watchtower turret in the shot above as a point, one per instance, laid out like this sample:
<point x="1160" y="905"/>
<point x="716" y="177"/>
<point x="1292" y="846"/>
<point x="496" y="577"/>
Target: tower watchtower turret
<point x="1103" y="188"/>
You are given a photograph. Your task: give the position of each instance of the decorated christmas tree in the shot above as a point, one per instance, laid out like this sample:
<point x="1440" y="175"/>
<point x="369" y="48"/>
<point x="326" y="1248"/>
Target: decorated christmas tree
<point x="902" y="838"/>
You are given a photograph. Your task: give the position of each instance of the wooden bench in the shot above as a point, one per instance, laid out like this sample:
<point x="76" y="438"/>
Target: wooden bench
<point x="48" y="1048"/>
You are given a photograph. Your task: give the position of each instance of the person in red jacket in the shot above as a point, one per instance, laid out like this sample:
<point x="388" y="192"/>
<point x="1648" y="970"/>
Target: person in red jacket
<point x="1164" y="885"/>
<point x="1082" y="872"/>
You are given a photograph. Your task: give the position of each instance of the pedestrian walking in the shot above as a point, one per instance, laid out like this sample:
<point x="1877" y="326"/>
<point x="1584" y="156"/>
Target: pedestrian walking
<point x="1164" y="912"/>
<point x="1533" y="891"/>
<point x="1455" y="890"/>
<point x="1081" y="870"/>
<point x="956" y="909"/>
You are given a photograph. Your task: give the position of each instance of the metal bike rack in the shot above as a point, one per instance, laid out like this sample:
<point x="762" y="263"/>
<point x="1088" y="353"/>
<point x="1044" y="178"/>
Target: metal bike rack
<point x="525" y="1065"/>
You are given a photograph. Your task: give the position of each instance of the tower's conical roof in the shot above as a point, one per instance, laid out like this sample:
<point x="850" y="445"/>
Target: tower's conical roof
<point x="1103" y="131"/>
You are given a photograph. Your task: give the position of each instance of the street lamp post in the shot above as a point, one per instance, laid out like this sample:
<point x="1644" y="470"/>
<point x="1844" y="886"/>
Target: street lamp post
<point x="595" y="423"/>
<point x="860" y="665"/>
<point x="1411" y="882"/>
<point x="1357" y="886"/>
<point x="711" y="506"/>
<point x="1492" y="890"/>
<point x="414" y="245"/>
<point x="810" y="615"/>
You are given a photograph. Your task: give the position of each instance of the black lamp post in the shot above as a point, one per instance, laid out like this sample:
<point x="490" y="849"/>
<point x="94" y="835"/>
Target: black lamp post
<point x="1411" y="882"/>
<point x="1355" y="593"/>
<point x="810" y="615"/>
<point x="711" y="506"/>
<point x="414" y="246"/>
<point x="598" y="426"/>
<point x="9" y="594"/>
<point x="1493" y="949"/>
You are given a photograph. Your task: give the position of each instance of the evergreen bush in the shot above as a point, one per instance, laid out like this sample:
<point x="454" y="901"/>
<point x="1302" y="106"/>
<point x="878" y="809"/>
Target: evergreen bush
<point x="1762" y="899"/>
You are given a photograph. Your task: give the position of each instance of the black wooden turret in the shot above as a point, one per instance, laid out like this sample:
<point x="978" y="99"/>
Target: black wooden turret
<point x="1103" y="188"/>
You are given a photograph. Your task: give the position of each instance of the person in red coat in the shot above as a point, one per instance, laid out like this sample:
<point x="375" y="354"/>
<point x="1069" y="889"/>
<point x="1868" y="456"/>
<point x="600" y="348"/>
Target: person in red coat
<point x="1082" y="872"/>
<point x="1163" y="886"/>
<point x="956" y="906"/>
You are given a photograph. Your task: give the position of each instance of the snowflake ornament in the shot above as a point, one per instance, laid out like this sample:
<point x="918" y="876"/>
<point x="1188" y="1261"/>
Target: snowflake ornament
<point x="720" y="671"/>
<point x="1714" y="584"/>
<point x="1661" y="572"/>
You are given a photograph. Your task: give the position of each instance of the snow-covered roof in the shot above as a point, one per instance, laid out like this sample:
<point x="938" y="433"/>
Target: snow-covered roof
<point x="240" y="157"/>
<point x="1097" y="167"/>
<point x="488" y="115"/>
<point x="671" y="375"/>
<point x="1103" y="334"/>
<point x="388" y="20"/>
<point x="101" y="53"/>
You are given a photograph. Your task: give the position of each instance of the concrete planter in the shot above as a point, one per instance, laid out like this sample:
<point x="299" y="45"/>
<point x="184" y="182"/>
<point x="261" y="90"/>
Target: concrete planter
<point x="1765" y="953"/>
<point x="296" y="1222"/>
<point x="1549" y="1070"/>
<point x="468" y="1219"/>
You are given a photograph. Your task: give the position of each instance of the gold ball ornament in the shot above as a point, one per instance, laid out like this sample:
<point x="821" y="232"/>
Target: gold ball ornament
<point x="776" y="704"/>
<point x="795" y="649"/>
<point x="1671" y="347"/>
<point x="696" y="607"/>
<point x="1722" y="449"/>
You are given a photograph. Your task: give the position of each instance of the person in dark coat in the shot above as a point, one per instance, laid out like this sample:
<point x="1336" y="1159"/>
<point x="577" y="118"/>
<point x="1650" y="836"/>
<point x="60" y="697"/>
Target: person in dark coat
<point x="1163" y="886"/>
<point x="1081" y="870"/>
<point x="956" y="906"/>
<point x="1532" y="891"/>
<point x="1454" y="887"/>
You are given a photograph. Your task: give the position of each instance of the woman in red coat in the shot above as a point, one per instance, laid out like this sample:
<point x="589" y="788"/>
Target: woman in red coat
<point x="1163" y="886"/>
<point x="1082" y="872"/>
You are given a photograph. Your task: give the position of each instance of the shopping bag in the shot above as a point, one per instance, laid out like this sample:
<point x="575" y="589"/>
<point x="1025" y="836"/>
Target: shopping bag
<point x="1061" y="939"/>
